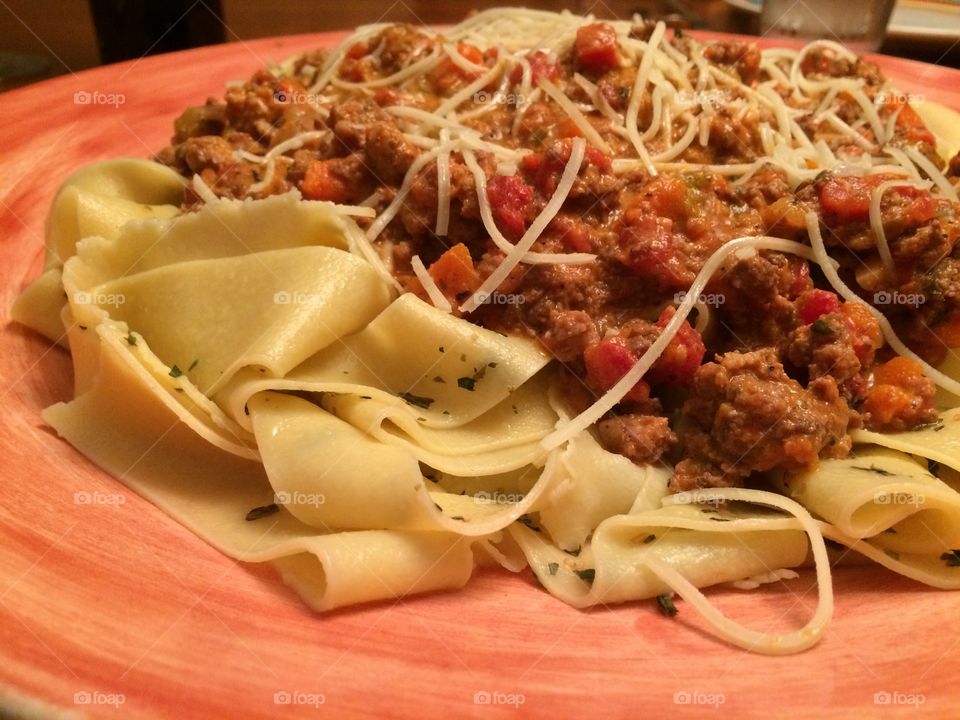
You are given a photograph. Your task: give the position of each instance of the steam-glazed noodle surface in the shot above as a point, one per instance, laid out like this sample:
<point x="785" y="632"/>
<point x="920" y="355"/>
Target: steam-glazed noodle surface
<point x="642" y="313"/>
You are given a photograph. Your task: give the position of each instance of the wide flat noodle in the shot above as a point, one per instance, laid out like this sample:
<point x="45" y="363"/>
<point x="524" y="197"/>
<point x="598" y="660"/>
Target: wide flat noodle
<point x="271" y="309"/>
<point x="333" y="476"/>
<point x="210" y="492"/>
<point x="400" y="354"/>
<point x="885" y="496"/>
<point x="939" y="441"/>
<point x="707" y="545"/>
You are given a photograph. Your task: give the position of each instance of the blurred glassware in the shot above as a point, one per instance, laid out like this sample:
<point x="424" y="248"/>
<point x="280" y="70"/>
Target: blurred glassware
<point x="858" y="24"/>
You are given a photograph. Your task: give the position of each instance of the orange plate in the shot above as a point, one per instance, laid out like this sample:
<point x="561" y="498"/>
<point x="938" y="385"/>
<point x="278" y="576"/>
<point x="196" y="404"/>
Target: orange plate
<point x="103" y="604"/>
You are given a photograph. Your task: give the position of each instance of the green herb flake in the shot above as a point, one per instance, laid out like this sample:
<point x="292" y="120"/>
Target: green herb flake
<point x="587" y="575"/>
<point x="666" y="606"/>
<point x="467" y="383"/>
<point x="491" y="365"/>
<point x="175" y="372"/>
<point x="193" y="365"/>
<point x="528" y="521"/>
<point x="440" y="380"/>
<point x="262" y="511"/>
<point x="552" y="568"/>
<point x="441" y="349"/>
<point x="649" y="539"/>
<point x="131" y="339"/>
<point x="821" y="327"/>
<point x="82" y="327"/>
<point x="417" y="400"/>
<point x="951" y="558"/>
<point x="874" y="469"/>
<point x="366" y="397"/>
<point x="461" y="518"/>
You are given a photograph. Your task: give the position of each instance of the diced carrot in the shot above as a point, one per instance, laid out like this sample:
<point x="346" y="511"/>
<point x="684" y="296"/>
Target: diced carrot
<point x="322" y="182"/>
<point x="453" y="272"/>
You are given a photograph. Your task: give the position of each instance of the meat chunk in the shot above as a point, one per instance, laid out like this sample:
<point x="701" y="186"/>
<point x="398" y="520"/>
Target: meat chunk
<point x="570" y="333"/>
<point x="389" y="155"/>
<point x="641" y="438"/>
<point x="746" y="415"/>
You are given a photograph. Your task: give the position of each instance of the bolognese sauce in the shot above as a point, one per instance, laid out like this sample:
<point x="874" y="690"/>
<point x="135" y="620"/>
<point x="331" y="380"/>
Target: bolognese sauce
<point x="782" y="368"/>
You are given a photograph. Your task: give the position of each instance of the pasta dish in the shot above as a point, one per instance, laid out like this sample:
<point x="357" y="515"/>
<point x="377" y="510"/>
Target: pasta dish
<point x="642" y="313"/>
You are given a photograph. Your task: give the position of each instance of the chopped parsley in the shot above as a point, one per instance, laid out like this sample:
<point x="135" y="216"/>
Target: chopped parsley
<point x="528" y="521"/>
<point x="175" y="372"/>
<point x="552" y="568"/>
<point x="666" y="606"/>
<point x="821" y="326"/>
<point x="467" y="383"/>
<point x="491" y="364"/>
<point x="874" y="469"/>
<point x="951" y="558"/>
<point x="262" y="511"/>
<point x="439" y="379"/>
<point x="587" y="575"/>
<point x="82" y="327"/>
<point x="131" y="339"/>
<point x="193" y="365"/>
<point x="417" y="400"/>
<point x="649" y="539"/>
<point x="936" y="426"/>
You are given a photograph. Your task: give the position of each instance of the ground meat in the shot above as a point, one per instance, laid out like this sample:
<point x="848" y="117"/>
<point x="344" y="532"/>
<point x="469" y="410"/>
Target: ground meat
<point x="746" y="415"/>
<point x="388" y="153"/>
<point x="569" y="333"/>
<point x="209" y="151"/>
<point x="826" y="347"/>
<point x="641" y="438"/>
<point x="755" y="298"/>
<point x="744" y="57"/>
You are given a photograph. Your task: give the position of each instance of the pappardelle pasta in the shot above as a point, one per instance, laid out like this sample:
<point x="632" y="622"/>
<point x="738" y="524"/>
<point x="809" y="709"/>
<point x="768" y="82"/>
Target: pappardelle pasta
<point x="641" y="313"/>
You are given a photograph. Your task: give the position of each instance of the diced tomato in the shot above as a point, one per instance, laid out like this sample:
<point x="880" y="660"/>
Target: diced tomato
<point x="470" y="52"/>
<point x="814" y="304"/>
<point x="510" y="199"/>
<point x="682" y="357"/>
<point x="914" y="129"/>
<point x="596" y="47"/>
<point x="453" y="272"/>
<point x="541" y="67"/>
<point x="544" y="168"/>
<point x="448" y="75"/>
<point x="357" y="50"/>
<point x="323" y="182"/>
<point x="607" y="362"/>
<point x="801" y="279"/>
<point x="574" y="233"/>
<point x="650" y="250"/>
<point x="847" y="198"/>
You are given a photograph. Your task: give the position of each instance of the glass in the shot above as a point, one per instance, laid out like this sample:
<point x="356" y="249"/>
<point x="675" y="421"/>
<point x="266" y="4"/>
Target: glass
<point x="858" y="24"/>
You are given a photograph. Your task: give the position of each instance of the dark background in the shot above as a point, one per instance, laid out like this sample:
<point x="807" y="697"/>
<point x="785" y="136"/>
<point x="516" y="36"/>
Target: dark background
<point x="42" y="38"/>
